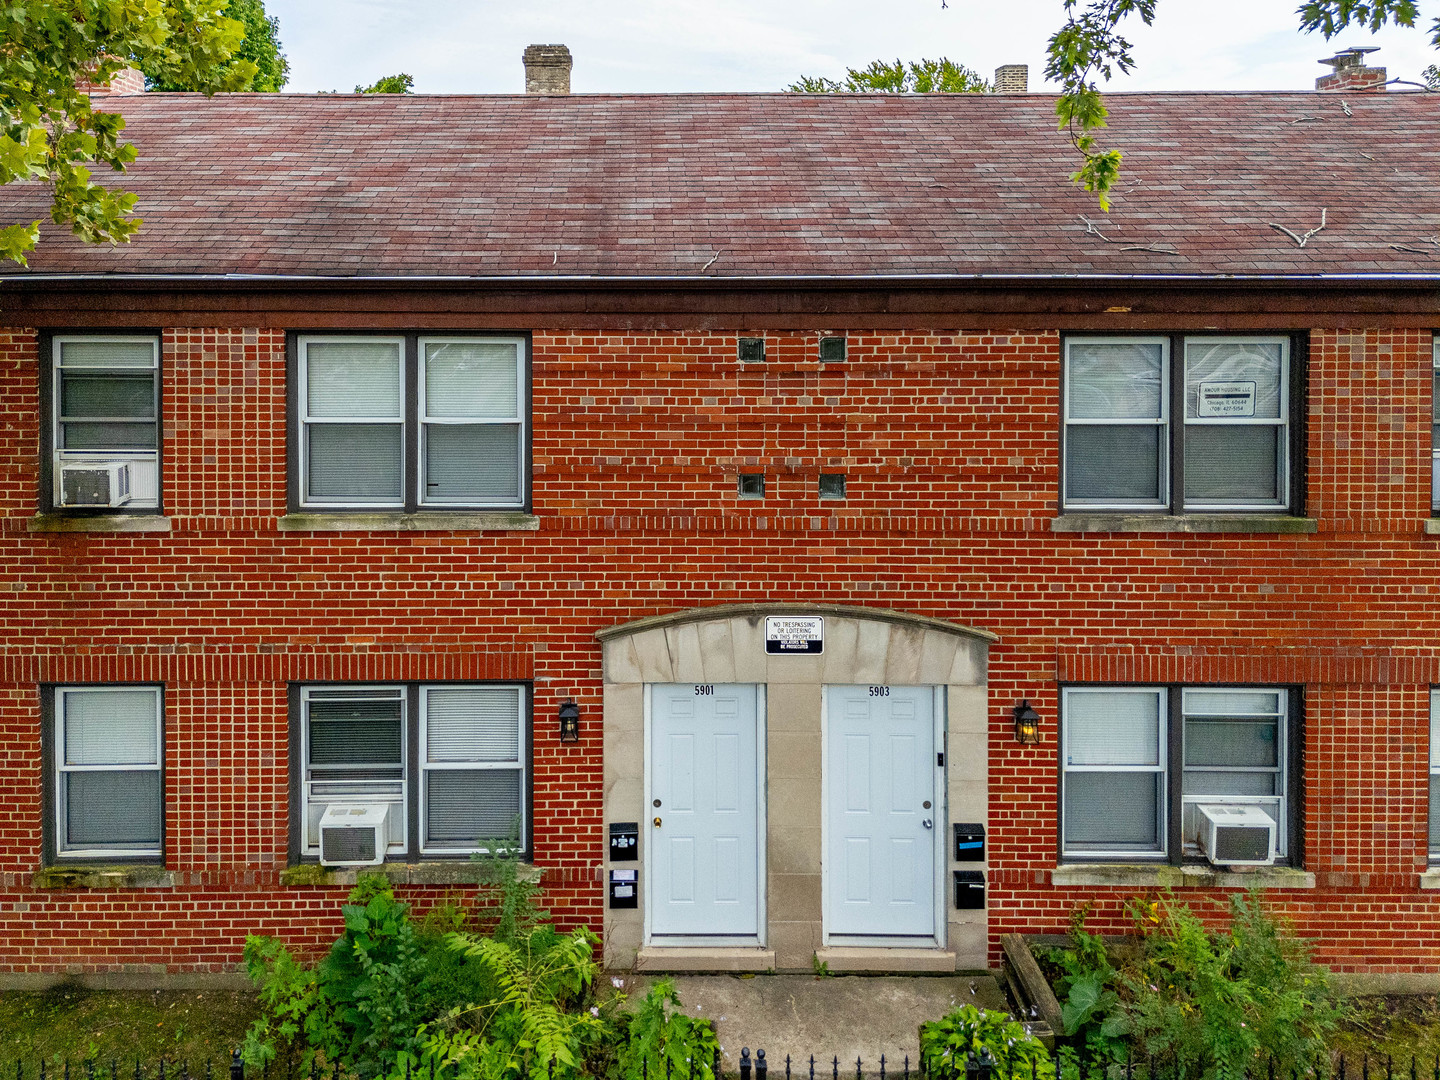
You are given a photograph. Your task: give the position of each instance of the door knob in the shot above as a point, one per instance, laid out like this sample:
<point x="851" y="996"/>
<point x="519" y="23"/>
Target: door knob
<point x="927" y="823"/>
<point x="657" y="822"/>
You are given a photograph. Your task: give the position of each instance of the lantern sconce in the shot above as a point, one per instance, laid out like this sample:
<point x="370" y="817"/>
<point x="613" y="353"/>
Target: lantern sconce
<point x="569" y="721"/>
<point x="1027" y="724"/>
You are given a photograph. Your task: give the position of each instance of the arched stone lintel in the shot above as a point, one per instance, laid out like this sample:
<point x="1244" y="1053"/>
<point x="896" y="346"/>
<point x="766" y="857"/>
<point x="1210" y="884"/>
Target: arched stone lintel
<point x="725" y="643"/>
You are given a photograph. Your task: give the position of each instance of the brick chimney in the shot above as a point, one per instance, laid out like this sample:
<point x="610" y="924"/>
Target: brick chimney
<point x="125" y="81"/>
<point x="547" y="69"/>
<point x="1351" y="73"/>
<point x="1012" y="79"/>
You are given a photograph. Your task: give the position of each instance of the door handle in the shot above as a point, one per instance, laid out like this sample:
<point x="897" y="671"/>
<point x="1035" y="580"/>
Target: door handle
<point x="657" y="822"/>
<point x="927" y="823"/>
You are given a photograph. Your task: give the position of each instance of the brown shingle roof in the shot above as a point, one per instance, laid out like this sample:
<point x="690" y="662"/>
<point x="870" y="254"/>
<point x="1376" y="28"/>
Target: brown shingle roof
<point x="776" y="184"/>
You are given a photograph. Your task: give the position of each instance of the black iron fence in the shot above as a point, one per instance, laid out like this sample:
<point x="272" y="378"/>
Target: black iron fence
<point x="1068" y="1065"/>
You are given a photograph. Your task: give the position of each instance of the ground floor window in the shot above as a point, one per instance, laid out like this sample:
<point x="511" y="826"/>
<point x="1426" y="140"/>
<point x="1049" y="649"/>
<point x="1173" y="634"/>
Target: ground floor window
<point x="1435" y="775"/>
<point x="443" y="768"/>
<point x="107" y="791"/>
<point x="1137" y="761"/>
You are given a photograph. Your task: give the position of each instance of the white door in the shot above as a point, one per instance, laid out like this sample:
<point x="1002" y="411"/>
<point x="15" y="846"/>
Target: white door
<point x="881" y="813"/>
<point x="704" y="820"/>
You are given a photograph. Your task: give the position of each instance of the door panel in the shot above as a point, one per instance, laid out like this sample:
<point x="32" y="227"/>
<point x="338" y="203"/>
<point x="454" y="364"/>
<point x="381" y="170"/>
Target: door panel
<point x="703" y="856"/>
<point x="879" y="860"/>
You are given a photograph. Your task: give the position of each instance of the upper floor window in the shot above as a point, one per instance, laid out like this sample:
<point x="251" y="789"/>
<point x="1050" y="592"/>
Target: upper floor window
<point x="106" y="753"/>
<point x="1209" y="433"/>
<point x="411" y="423"/>
<point x="1137" y="762"/>
<point x="1435" y="430"/>
<point x="104" y="423"/>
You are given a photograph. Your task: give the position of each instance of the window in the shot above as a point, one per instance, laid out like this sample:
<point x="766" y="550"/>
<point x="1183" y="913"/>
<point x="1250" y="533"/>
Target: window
<point x="1137" y="761"/>
<point x="106" y="751"/>
<point x="104" y="404"/>
<point x="1230" y="449"/>
<point x="411" y="423"/>
<point x="449" y="760"/>
<point x="1435" y="775"/>
<point x="751" y="350"/>
<point x="832" y="485"/>
<point x="751" y="485"/>
<point x="832" y="350"/>
<point x="1435" y="431"/>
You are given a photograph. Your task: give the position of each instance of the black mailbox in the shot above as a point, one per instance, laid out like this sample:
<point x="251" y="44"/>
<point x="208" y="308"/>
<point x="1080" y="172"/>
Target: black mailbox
<point x="969" y="842"/>
<point x="969" y="890"/>
<point x="624" y="841"/>
<point x="624" y="885"/>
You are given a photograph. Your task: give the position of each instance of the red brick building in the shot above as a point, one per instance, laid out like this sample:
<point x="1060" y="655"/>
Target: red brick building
<point x="797" y="441"/>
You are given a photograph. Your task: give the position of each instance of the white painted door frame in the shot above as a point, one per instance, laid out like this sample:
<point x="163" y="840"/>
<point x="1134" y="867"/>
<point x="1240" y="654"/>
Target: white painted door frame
<point x="942" y="825"/>
<point x="646" y="865"/>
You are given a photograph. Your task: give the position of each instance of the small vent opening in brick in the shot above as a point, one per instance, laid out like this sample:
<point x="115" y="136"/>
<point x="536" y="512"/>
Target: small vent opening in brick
<point x="832" y="485"/>
<point x="832" y="350"/>
<point x="752" y="485"/>
<point x="752" y="350"/>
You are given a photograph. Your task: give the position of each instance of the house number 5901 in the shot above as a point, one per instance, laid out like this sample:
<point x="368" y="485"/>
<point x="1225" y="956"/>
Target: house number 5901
<point x="704" y="691"/>
<point x="879" y="691"/>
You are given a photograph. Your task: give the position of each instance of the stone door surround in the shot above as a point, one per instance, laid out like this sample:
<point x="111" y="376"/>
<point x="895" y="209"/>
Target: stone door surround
<point x="725" y="644"/>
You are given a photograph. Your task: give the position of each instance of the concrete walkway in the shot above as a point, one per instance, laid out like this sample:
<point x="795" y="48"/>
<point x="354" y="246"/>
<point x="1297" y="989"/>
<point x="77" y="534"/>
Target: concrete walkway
<point x="848" y="1016"/>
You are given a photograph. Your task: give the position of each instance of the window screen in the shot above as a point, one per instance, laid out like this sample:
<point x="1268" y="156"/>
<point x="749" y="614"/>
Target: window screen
<point x="354" y="422"/>
<point x="1235" y="424"/>
<point x="1114" y="771"/>
<point x="108" y="753"/>
<point x="1116" y="451"/>
<point x="1435" y="775"/>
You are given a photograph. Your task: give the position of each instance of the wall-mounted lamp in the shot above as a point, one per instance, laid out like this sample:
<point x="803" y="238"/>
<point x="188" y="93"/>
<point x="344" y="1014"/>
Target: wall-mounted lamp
<point x="569" y="722"/>
<point x="1027" y="724"/>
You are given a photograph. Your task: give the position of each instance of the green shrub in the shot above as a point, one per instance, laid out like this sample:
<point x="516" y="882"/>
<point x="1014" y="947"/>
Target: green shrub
<point x="947" y="1044"/>
<point x="1200" y="1004"/>
<point x="660" y="1035"/>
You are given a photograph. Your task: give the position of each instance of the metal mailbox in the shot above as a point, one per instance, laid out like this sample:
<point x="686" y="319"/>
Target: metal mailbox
<point x="969" y="842"/>
<point x="624" y="841"/>
<point x="969" y="890"/>
<point x="624" y="888"/>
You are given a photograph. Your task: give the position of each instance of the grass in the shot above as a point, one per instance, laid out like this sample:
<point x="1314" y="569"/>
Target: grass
<point x="1392" y="1029"/>
<point x="69" y="1023"/>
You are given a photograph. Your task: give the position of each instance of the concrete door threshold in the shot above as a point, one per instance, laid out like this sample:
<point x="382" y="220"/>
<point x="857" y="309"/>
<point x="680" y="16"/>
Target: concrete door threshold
<point x="882" y="961"/>
<point x="704" y="958"/>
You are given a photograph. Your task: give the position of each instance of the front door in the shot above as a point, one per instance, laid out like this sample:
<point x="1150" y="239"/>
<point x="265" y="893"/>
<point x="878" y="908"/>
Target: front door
<point x="704" y="820"/>
<point x="881" y="812"/>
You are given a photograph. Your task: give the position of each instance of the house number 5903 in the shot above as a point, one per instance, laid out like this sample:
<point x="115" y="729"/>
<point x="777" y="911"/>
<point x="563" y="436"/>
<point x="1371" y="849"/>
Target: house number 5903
<point x="879" y="691"/>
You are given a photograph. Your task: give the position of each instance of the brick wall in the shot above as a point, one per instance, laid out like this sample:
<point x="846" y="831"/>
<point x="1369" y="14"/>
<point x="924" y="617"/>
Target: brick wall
<point x="950" y="442"/>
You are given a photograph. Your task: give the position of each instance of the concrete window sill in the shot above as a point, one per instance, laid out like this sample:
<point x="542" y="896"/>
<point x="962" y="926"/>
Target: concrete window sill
<point x="1165" y="876"/>
<point x="98" y="523"/>
<point x="458" y="872"/>
<point x="430" y="521"/>
<point x="1432" y="527"/>
<point x="1181" y="523"/>
<point x="1430" y="879"/>
<point x="103" y="877"/>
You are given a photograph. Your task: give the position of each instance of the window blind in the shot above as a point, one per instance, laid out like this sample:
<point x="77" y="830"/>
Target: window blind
<point x="355" y="462"/>
<point x="472" y="379"/>
<point x="472" y="724"/>
<point x="356" y="733"/>
<point x="1113" y="811"/>
<point x="1119" y="464"/>
<point x="111" y="810"/>
<point x="465" y="806"/>
<point x="1113" y="381"/>
<point x="110" y="727"/>
<point x="99" y="353"/>
<point x="1235" y="361"/>
<point x="1120" y="728"/>
<point x="353" y="378"/>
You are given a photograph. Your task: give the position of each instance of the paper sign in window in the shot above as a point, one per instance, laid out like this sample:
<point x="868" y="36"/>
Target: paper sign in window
<point x="1227" y="399"/>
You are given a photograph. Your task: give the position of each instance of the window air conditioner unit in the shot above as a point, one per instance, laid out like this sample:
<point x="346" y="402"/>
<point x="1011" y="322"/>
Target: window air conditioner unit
<point x="354" y="835"/>
<point x="1236" y="835"/>
<point x="106" y="484"/>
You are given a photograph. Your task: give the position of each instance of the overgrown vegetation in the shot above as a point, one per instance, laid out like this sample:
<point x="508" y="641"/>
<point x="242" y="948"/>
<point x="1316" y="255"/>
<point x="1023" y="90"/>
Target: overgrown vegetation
<point x="489" y="991"/>
<point x="946" y="1045"/>
<point x="1212" y="1005"/>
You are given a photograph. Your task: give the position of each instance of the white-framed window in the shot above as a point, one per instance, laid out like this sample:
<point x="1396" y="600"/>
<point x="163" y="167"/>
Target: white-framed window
<point x="1119" y="746"/>
<point x="1123" y="449"/>
<point x="1435" y="428"/>
<point x="108" y="778"/>
<point x="410" y="422"/>
<point x="105" y="431"/>
<point x="450" y="760"/>
<point x="1434" y="776"/>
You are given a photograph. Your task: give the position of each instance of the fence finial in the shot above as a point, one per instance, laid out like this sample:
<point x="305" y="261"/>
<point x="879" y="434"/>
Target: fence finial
<point x="237" y="1066"/>
<point x="744" y="1063"/>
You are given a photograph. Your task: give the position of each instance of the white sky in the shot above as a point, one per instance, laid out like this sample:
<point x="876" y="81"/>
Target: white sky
<point x="667" y="46"/>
